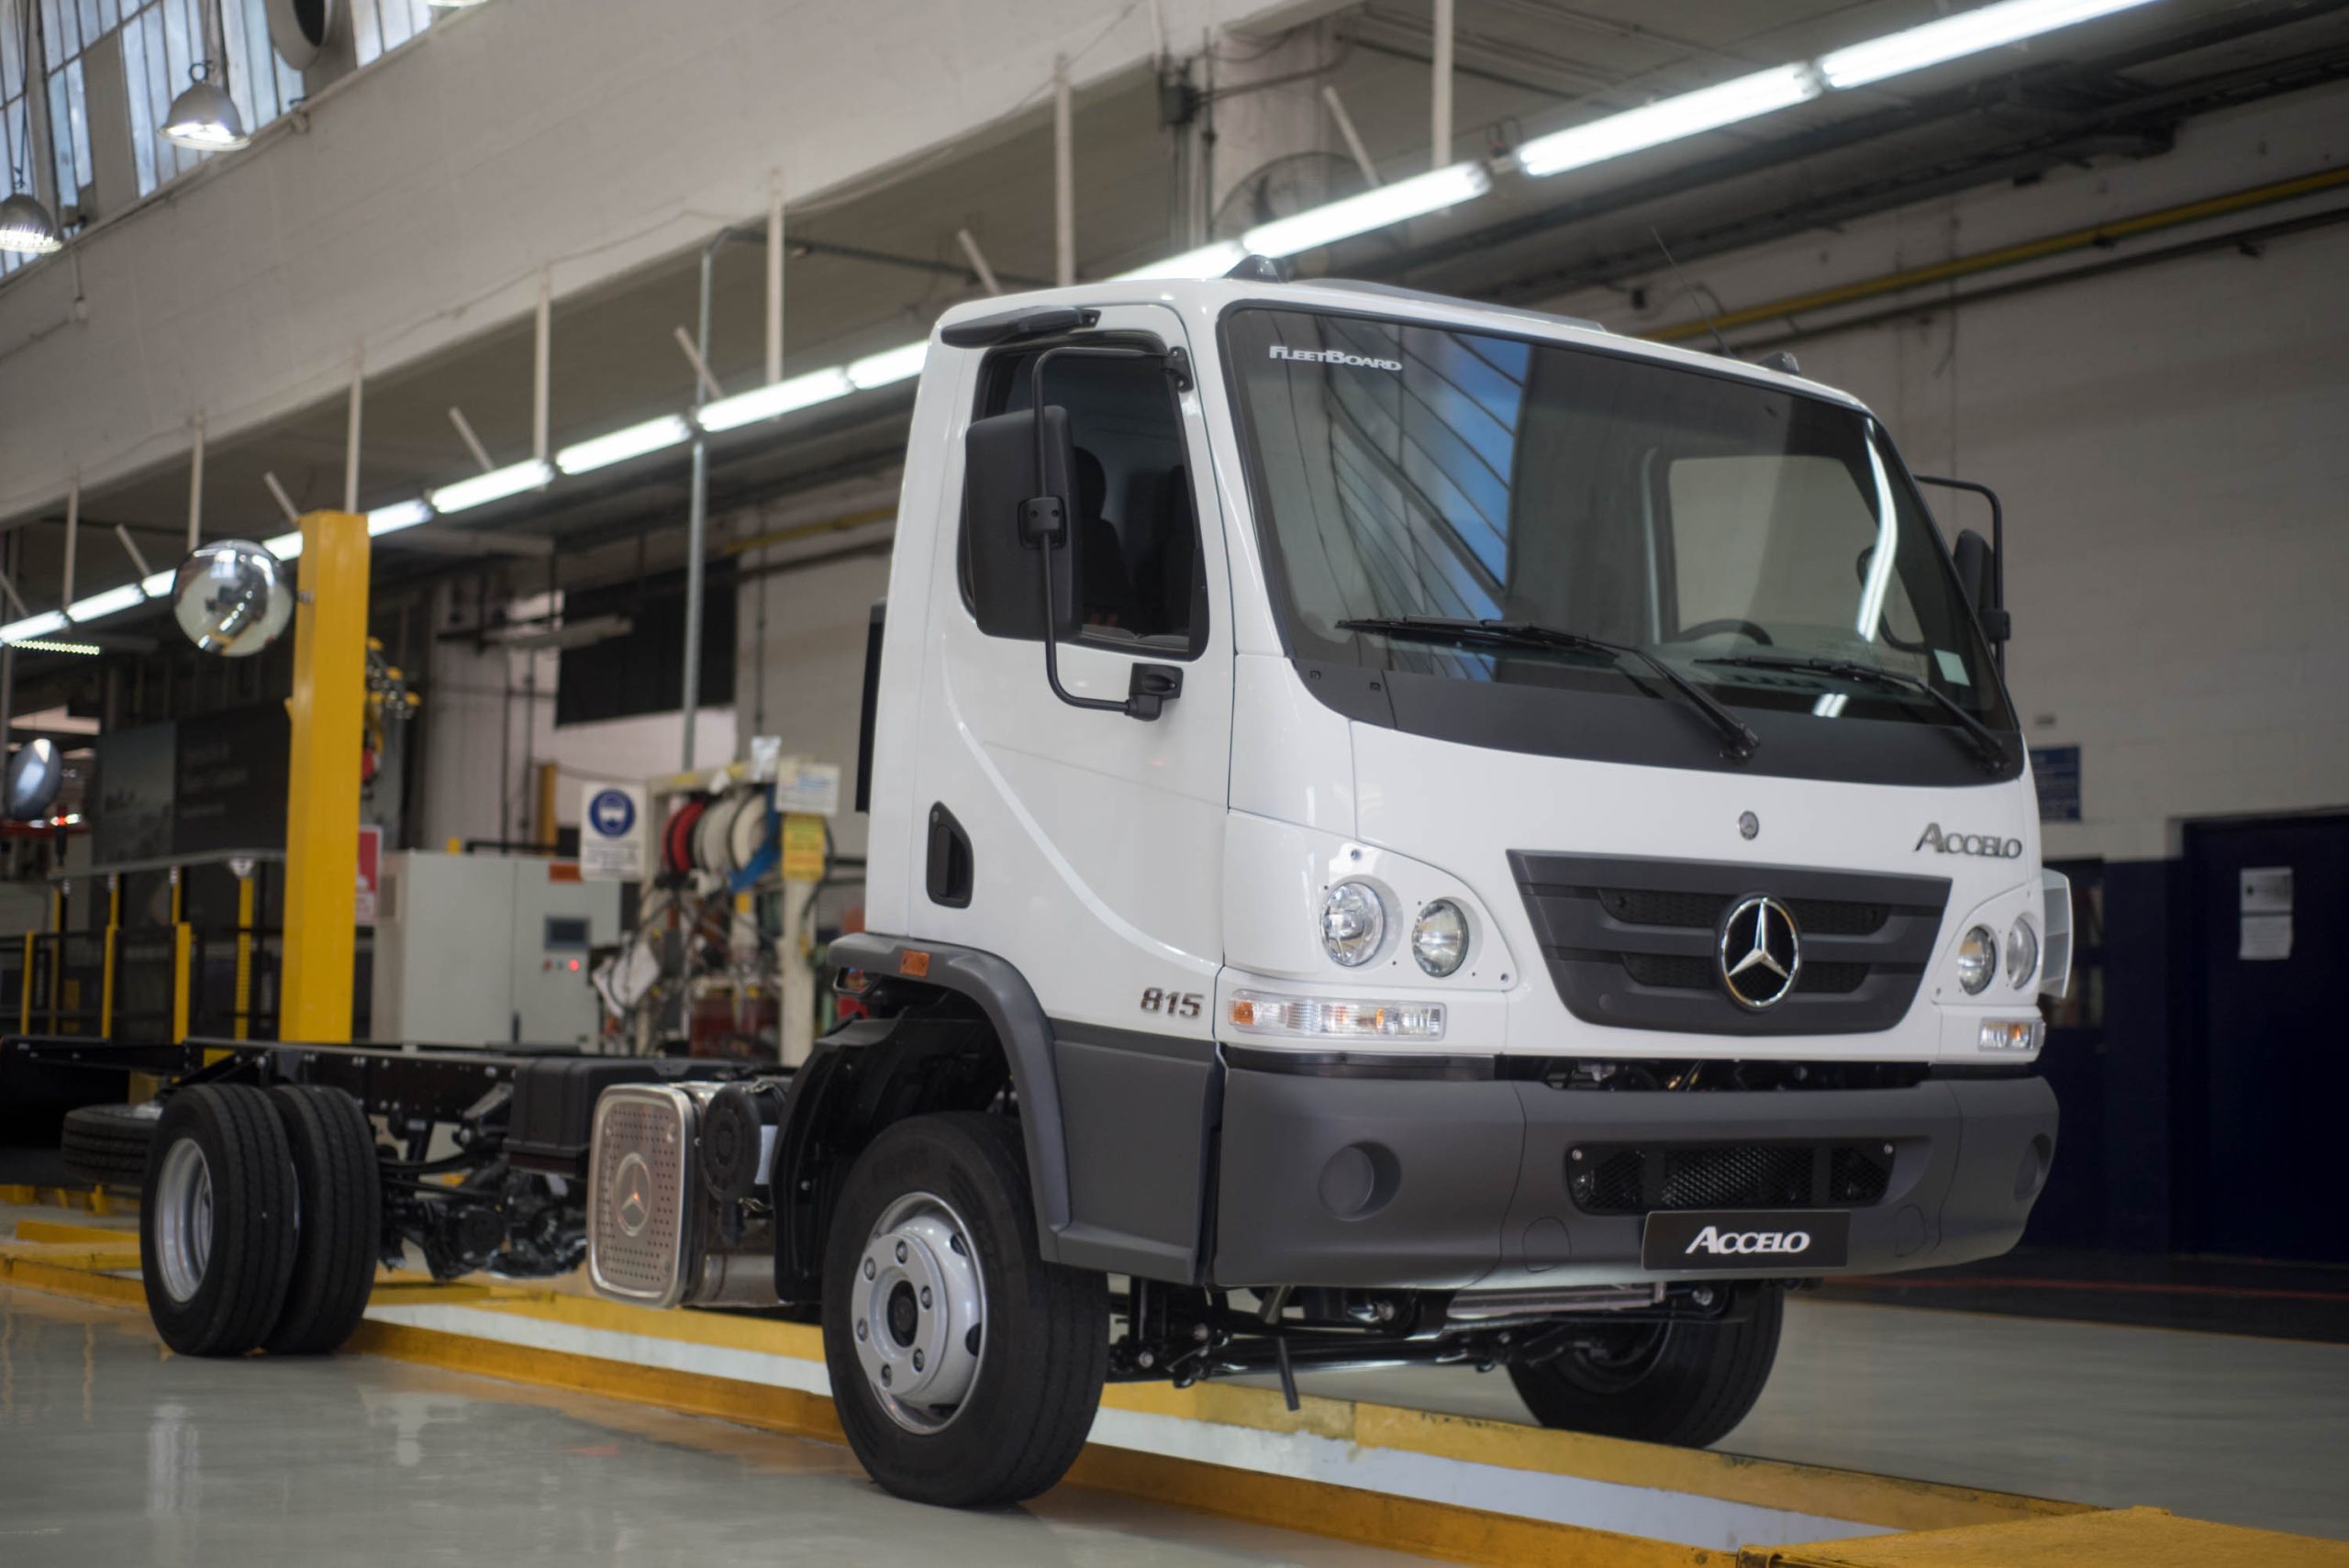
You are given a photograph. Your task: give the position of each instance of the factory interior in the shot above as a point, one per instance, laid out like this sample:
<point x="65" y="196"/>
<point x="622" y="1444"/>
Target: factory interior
<point x="1173" y="781"/>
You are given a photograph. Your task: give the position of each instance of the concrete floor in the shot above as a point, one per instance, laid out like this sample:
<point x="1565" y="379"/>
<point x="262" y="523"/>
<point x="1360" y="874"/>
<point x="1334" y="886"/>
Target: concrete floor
<point x="112" y="1451"/>
<point x="2249" y="1431"/>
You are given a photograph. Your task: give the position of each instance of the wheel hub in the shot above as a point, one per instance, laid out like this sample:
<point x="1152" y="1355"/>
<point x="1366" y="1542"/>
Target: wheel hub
<point x="918" y="1307"/>
<point x="184" y="1219"/>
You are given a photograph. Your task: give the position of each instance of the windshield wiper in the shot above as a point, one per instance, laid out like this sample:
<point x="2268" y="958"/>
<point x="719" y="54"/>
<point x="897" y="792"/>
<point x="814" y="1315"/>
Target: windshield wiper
<point x="1971" y="730"/>
<point x="1738" y="741"/>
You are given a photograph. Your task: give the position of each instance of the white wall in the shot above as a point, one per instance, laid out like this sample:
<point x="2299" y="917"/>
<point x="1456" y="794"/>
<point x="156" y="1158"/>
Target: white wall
<point x="478" y="740"/>
<point x="426" y="194"/>
<point x="2170" y="445"/>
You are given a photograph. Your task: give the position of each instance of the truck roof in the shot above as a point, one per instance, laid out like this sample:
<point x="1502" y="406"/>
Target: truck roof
<point x="1208" y="298"/>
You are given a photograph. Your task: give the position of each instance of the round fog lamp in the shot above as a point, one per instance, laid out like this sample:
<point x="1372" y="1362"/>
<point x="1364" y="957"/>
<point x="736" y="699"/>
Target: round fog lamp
<point x="2022" y="953"/>
<point x="1977" y="960"/>
<point x="1353" y="923"/>
<point x="1440" y="938"/>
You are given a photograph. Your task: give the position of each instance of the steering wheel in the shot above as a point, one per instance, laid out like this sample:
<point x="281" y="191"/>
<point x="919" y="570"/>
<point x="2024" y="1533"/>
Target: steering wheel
<point x="1727" y="623"/>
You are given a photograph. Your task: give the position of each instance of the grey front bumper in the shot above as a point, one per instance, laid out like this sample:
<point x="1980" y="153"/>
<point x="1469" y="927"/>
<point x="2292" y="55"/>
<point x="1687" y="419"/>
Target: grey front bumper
<point x="1448" y="1185"/>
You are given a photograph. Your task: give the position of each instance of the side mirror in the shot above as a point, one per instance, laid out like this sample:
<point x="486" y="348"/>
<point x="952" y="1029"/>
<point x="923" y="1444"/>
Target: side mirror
<point x="1977" y="574"/>
<point x="999" y="482"/>
<point x="231" y="598"/>
<point x="34" y="775"/>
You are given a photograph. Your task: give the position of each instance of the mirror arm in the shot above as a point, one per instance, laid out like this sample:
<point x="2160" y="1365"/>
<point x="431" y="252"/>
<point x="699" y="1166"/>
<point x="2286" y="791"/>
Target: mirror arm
<point x="1044" y="526"/>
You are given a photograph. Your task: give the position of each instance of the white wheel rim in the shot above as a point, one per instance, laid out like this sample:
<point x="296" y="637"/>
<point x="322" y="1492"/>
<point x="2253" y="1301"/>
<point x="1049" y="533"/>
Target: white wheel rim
<point x="918" y="1312"/>
<point x="184" y="1219"/>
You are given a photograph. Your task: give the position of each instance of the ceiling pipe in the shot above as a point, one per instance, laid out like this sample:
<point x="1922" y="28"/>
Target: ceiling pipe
<point x="472" y="443"/>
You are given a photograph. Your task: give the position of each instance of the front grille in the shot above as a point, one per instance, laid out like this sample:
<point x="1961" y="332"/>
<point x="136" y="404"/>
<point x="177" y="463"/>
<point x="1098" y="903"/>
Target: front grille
<point x="1857" y="1176"/>
<point x="1728" y="1176"/>
<point x="636" y="1208"/>
<point x="1636" y="943"/>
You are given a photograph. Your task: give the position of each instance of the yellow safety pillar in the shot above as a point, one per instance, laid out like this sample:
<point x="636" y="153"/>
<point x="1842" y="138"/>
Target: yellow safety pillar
<point x="244" y="958"/>
<point x="322" y="799"/>
<point x="56" y="952"/>
<point x="182" y="979"/>
<point x="544" y="828"/>
<point x="113" y="935"/>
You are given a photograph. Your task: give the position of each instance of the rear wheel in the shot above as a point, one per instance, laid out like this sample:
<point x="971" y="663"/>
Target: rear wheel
<point x="216" y="1220"/>
<point x="966" y="1369"/>
<point x="1685" y="1383"/>
<point x="338" y="1221"/>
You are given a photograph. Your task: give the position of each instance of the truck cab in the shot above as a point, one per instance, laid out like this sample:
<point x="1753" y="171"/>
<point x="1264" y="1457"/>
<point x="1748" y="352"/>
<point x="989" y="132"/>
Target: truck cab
<point x="1402" y="830"/>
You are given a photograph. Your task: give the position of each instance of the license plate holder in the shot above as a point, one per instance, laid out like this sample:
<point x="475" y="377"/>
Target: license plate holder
<point x="1784" y="1242"/>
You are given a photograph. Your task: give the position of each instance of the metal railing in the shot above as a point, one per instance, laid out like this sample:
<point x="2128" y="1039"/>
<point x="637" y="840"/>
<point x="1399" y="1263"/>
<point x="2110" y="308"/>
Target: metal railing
<point x="155" y="983"/>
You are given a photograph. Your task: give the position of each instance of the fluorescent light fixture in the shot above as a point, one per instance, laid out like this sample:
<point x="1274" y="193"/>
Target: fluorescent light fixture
<point x="1333" y="221"/>
<point x="205" y="117"/>
<point x="285" y="546"/>
<point x="130" y="595"/>
<point x="1669" y="119"/>
<point x="158" y="583"/>
<point x="42" y="625"/>
<point x="1207" y="261"/>
<point x="495" y="485"/>
<point x="26" y="228"/>
<point x="1950" y="38"/>
<point x="399" y="514"/>
<point x="652" y="436"/>
<point x="45" y="645"/>
<point x="776" y="398"/>
<point x="888" y="366"/>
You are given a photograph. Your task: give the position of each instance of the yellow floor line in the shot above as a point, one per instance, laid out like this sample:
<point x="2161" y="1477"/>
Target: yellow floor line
<point x="2119" y="1538"/>
<point x="1889" y="1502"/>
<point x="81" y="1283"/>
<point x="50" y="1230"/>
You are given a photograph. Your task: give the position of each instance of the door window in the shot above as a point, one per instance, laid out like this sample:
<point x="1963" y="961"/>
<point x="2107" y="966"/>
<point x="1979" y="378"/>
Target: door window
<point x="1140" y="581"/>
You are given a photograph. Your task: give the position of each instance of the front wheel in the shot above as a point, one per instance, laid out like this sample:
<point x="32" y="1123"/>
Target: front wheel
<point x="966" y="1369"/>
<point x="1688" y="1383"/>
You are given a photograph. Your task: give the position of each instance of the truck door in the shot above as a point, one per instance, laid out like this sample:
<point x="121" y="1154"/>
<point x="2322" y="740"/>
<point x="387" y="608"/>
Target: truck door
<point x="1081" y="845"/>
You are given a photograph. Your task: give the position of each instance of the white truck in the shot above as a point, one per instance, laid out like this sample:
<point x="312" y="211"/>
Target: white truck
<point x="1401" y="831"/>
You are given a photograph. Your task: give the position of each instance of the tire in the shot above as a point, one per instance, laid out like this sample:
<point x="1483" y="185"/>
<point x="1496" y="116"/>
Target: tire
<point x="1684" y="1384"/>
<point x="941" y="1191"/>
<point x="216" y="1220"/>
<point x="106" y="1145"/>
<point x="338" y="1219"/>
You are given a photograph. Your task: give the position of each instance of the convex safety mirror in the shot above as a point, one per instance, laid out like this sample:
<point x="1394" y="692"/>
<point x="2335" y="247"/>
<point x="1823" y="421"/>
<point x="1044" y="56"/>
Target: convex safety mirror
<point x="232" y="597"/>
<point x="34" y="776"/>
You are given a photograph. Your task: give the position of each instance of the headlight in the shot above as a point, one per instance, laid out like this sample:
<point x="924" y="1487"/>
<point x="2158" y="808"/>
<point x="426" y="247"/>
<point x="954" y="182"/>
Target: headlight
<point x="1977" y="960"/>
<point x="2022" y="953"/>
<point x="1353" y="923"/>
<point x="1440" y="940"/>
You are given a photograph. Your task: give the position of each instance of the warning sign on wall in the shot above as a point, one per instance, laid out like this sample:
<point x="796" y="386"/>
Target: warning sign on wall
<point x="611" y="832"/>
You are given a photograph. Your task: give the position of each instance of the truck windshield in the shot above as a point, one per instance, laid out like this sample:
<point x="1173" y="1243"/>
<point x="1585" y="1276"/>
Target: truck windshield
<point x="1406" y="471"/>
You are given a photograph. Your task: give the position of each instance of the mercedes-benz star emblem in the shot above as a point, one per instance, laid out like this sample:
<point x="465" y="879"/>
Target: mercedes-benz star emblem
<point x="632" y="1201"/>
<point x="1761" y="952"/>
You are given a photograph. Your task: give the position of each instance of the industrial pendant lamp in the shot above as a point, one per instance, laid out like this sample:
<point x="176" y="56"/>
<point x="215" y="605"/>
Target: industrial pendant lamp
<point x="26" y="225"/>
<point x="26" y="228"/>
<point x="204" y="116"/>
